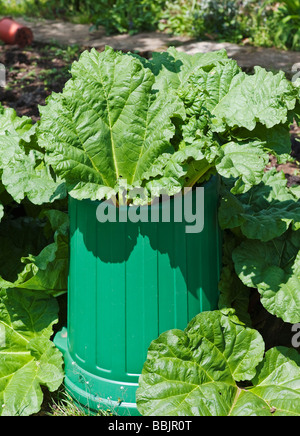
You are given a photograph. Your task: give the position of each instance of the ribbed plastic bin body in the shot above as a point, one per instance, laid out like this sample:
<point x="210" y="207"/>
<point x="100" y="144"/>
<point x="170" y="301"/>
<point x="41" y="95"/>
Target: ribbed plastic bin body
<point x="128" y="283"/>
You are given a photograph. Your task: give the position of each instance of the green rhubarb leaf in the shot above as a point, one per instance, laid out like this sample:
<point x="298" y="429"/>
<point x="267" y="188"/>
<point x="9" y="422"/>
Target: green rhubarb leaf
<point x="10" y="122"/>
<point x="173" y="68"/>
<point x="277" y="139"/>
<point x="24" y="172"/>
<point x="184" y="168"/>
<point x="265" y="212"/>
<point x="276" y="387"/>
<point x="264" y="98"/>
<point x="231" y="339"/>
<point x="108" y="124"/>
<point x="243" y="162"/>
<point x="274" y="269"/>
<point x="28" y="359"/>
<point x="208" y="85"/>
<point x="254" y="107"/>
<point x="192" y="372"/>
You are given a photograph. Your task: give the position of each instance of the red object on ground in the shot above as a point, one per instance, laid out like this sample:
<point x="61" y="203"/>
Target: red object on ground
<point x="12" y="32"/>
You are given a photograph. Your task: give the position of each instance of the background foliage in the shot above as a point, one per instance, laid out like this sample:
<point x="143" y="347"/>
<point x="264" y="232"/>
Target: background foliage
<point x="258" y="22"/>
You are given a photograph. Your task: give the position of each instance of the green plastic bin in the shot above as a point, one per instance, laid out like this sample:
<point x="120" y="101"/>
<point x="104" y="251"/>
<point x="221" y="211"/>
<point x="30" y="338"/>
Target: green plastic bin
<point x="128" y="283"/>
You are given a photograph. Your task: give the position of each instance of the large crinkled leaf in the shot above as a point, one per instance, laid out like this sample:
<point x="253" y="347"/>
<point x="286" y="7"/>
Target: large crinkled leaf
<point x="173" y="69"/>
<point x="277" y="139"/>
<point x="276" y="390"/>
<point x="241" y="347"/>
<point x="10" y="122"/>
<point x="274" y="269"/>
<point x="203" y="87"/>
<point x="179" y="381"/>
<point x="24" y="172"/>
<point x="184" y="168"/>
<point x="192" y="373"/>
<point x="207" y="86"/>
<point x="243" y="162"/>
<point x="251" y="104"/>
<point x="28" y="176"/>
<point x="108" y="124"/>
<point x="264" y="98"/>
<point x="211" y="81"/>
<point x="28" y="359"/>
<point x="265" y="212"/>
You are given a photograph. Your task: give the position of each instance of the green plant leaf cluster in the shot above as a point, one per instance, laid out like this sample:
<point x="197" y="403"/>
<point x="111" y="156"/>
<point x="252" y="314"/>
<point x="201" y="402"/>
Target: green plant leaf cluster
<point x="28" y="359"/>
<point x="197" y="372"/>
<point x="266" y="225"/>
<point x="33" y="267"/>
<point x="163" y="124"/>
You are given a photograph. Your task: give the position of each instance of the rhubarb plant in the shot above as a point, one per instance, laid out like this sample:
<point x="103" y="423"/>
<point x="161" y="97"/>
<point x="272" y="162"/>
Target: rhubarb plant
<point x="164" y="124"/>
<point x="28" y="359"/>
<point x="33" y="267"/>
<point x="265" y="223"/>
